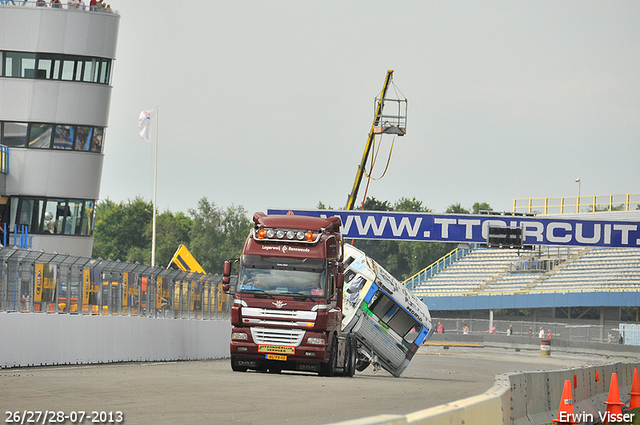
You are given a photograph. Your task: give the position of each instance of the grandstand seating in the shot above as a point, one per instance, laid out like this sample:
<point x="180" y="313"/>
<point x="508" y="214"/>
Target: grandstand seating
<point x="490" y="271"/>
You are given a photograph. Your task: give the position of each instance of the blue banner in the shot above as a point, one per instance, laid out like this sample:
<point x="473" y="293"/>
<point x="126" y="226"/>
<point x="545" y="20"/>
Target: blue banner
<point x="405" y="226"/>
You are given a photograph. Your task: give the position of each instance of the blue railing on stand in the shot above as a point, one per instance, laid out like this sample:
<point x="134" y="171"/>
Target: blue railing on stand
<point x="437" y="266"/>
<point x="17" y="239"/>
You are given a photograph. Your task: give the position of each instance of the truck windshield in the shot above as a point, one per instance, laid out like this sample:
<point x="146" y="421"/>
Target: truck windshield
<point x="282" y="276"/>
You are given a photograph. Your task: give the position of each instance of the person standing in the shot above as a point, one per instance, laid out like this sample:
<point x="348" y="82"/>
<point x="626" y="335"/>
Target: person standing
<point x="541" y="333"/>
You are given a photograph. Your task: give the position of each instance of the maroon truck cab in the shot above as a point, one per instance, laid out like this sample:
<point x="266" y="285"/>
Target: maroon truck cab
<point x="287" y="307"/>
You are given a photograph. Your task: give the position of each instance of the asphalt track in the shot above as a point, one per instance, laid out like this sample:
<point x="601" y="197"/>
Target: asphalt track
<point x="200" y="392"/>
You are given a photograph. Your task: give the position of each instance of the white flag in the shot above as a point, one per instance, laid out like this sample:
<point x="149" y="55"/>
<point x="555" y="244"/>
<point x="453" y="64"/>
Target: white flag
<point x="144" y="122"/>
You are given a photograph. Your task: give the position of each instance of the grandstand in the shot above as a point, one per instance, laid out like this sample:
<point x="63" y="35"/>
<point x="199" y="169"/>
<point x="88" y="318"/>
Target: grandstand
<point x="542" y="278"/>
<point x="549" y="269"/>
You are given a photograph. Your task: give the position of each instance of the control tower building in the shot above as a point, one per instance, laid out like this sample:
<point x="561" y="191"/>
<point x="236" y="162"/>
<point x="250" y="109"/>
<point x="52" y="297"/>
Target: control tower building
<point x="56" y="66"/>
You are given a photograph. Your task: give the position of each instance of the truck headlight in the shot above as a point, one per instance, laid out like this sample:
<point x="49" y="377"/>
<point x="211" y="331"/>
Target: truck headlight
<point x="318" y="341"/>
<point x="239" y="335"/>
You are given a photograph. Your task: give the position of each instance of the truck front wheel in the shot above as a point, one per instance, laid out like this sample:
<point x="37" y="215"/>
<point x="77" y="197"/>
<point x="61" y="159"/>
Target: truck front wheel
<point x="329" y="368"/>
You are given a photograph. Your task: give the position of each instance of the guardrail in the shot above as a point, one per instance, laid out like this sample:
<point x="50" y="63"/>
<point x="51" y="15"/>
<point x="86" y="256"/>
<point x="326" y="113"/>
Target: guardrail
<point x="577" y="204"/>
<point x="35" y="281"/>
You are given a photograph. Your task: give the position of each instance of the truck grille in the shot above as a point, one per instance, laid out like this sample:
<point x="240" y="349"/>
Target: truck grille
<point x="277" y="336"/>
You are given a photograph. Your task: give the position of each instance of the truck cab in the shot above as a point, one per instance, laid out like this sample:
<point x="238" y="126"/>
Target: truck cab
<point x="287" y="307"/>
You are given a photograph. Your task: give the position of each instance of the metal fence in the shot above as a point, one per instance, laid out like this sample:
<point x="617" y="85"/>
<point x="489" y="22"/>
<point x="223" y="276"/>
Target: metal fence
<point x="51" y="283"/>
<point x="609" y="331"/>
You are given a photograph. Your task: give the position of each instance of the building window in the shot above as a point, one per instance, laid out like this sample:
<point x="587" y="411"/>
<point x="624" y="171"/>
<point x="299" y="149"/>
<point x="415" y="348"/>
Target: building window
<point x="40" y="135"/>
<point x="64" y="137"/>
<point x="49" y="66"/>
<point x="54" y="216"/>
<point x="56" y="136"/>
<point x="14" y="134"/>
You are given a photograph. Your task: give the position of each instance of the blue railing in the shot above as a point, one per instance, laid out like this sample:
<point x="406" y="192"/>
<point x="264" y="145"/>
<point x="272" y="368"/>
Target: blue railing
<point x="19" y="238"/>
<point x="437" y="266"/>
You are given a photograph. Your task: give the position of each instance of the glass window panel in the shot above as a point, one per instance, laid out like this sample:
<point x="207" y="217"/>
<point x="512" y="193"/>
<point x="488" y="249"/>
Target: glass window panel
<point x="87" y="218"/>
<point x="96" y="70"/>
<point x="49" y="222"/>
<point x="8" y="65"/>
<point x="83" y="138"/>
<point x="45" y="66"/>
<point x="19" y="64"/>
<point x="104" y="71"/>
<point x="89" y="66"/>
<point x="74" y="218"/>
<point x="57" y="65"/>
<point x="29" y="213"/>
<point x="63" y="138"/>
<point x="68" y="67"/>
<point x="54" y="216"/>
<point x="27" y="65"/>
<point x="2" y="60"/>
<point x="40" y="135"/>
<point x="78" y="76"/>
<point x="96" y="140"/>
<point x="14" y="134"/>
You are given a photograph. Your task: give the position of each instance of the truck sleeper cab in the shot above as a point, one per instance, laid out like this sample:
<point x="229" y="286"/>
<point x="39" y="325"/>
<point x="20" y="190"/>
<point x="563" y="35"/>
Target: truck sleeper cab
<point x="287" y="308"/>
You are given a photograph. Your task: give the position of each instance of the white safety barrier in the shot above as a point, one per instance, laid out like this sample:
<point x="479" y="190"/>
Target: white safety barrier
<point x="529" y="398"/>
<point x="33" y="339"/>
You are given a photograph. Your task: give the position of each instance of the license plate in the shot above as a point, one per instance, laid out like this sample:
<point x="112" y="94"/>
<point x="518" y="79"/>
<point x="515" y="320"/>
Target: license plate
<point x="277" y="357"/>
<point x="278" y="349"/>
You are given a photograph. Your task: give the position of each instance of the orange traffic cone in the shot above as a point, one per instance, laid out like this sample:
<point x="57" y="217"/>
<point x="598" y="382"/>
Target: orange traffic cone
<point x="635" y="391"/>
<point x="614" y="406"/>
<point x="565" y="411"/>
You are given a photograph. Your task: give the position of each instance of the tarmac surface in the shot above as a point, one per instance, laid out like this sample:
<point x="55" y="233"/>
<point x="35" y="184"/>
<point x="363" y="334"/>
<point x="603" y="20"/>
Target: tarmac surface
<point x="200" y="392"/>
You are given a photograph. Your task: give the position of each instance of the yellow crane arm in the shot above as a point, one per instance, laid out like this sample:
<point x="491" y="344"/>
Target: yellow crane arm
<point x="367" y="149"/>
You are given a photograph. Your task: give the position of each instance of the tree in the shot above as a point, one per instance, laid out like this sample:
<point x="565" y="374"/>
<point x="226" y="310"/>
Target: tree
<point x="119" y="231"/>
<point x="456" y="209"/>
<point x="172" y="230"/>
<point x="217" y="235"/>
<point x="477" y="207"/>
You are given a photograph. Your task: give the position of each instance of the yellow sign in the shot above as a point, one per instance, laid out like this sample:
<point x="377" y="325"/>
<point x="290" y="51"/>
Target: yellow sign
<point x="185" y="261"/>
<point x="280" y="349"/>
<point x="280" y="357"/>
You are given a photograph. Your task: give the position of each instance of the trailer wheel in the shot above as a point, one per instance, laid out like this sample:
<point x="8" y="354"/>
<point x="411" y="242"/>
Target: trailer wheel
<point x="362" y="363"/>
<point x="329" y="368"/>
<point x="352" y="348"/>
<point x="235" y="367"/>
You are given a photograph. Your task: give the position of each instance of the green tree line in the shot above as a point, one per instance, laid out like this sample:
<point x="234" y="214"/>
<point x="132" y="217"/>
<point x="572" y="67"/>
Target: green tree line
<point x="123" y="231"/>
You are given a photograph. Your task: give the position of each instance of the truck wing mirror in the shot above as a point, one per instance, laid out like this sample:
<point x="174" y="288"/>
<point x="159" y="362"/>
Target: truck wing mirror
<point x="226" y="269"/>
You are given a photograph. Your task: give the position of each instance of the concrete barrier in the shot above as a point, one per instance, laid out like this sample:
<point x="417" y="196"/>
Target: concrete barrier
<point x="525" y="398"/>
<point x="36" y="339"/>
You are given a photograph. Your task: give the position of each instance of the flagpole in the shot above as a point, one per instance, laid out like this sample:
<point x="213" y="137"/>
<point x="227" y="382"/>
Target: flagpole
<point x="155" y="193"/>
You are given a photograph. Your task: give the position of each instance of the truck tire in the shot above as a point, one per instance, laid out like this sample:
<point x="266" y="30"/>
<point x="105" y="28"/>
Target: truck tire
<point x="235" y="367"/>
<point x="352" y="353"/>
<point x="362" y="363"/>
<point x="329" y="368"/>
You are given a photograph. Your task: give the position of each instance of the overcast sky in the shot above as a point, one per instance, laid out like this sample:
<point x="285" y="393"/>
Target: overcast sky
<point x="268" y="104"/>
